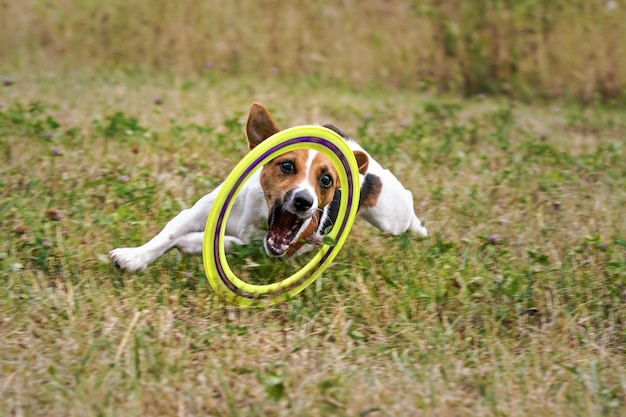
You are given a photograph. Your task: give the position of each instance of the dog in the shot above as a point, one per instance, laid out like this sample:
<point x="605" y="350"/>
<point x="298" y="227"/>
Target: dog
<point x="295" y="195"/>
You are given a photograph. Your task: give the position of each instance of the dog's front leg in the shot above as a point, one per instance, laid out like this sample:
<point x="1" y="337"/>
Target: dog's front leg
<point x="185" y="232"/>
<point x="191" y="243"/>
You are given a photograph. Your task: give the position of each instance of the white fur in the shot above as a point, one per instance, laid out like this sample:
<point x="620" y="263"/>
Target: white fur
<point x="393" y="213"/>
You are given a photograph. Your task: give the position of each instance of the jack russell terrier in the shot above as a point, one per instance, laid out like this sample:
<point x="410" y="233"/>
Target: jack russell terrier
<point x="296" y="195"/>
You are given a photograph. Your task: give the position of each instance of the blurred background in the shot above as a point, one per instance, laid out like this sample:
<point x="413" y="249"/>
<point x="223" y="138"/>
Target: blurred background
<point x="525" y="49"/>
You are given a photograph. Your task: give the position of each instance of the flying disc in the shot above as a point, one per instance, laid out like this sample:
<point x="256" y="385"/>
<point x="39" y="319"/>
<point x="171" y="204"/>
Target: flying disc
<point x="216" y="267"/>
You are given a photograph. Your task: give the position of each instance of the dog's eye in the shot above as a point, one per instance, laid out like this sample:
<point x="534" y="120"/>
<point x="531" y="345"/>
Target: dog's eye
<point x="287" y="167"/>
<point x="326" y="181"/>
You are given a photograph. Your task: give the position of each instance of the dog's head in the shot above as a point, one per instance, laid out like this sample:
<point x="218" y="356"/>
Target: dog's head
<point x="297" y="185"/>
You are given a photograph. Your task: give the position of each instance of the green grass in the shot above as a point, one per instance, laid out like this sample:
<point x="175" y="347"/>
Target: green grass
<point x="515" y="305"/>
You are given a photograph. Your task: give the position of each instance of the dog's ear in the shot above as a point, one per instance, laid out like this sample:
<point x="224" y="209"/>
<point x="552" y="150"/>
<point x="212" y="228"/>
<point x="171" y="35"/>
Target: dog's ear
<point x="362" y="160"/>
<point x="260" y="125"/>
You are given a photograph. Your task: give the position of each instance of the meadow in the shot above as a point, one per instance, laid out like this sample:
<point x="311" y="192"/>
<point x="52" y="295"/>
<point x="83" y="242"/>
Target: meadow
<point x="504" y="118"/>
<point x="525" y="49"/>
<point x="513" y="306"/>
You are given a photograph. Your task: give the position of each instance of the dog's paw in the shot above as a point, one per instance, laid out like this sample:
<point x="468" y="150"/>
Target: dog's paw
<point x="418" y="227"/>
<point x="128" y="259"/>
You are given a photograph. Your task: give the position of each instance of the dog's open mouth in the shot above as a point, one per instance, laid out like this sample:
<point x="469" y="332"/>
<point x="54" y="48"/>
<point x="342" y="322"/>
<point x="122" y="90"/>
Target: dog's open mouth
<point x="284" y="228"/>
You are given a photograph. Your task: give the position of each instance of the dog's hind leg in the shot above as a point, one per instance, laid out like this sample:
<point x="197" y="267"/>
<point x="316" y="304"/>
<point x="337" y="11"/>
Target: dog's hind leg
<point x="389" y="206"/>
<point x="417" y="227"/>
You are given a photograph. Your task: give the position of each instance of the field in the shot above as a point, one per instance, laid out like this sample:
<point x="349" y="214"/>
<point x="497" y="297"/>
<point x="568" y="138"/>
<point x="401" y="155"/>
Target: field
<point x="515" y="305"/>
<point x="525" y="49"/>
<point x="506" y="119"/>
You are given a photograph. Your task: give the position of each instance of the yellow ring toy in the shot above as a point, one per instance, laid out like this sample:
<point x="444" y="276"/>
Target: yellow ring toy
<point x="218" y="272"/>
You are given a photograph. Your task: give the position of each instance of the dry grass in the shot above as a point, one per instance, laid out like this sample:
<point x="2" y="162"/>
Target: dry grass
<point x="525" y="49"/>
<point x="514" y="306"/>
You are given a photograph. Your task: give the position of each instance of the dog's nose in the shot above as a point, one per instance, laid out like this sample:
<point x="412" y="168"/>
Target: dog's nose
<point x="302" y="201"/>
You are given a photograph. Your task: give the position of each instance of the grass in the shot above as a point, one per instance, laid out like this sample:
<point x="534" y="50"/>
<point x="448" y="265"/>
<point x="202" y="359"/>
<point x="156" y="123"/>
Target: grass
<point x="515" y="305"/>
<point x="524" y="49"/>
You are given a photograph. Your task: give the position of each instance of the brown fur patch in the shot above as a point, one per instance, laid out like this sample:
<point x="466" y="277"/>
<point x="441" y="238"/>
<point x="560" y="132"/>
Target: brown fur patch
<point x="336" y="130"/>
<point x="319" y="166"/>
<point x="275" y="182"/>
<point x="370" y="191"/>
